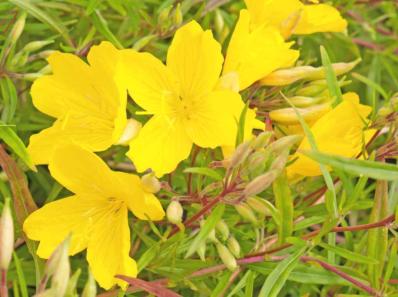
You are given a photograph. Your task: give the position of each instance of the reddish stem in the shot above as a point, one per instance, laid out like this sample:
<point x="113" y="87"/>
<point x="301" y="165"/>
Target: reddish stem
<point x="3" y="284"/>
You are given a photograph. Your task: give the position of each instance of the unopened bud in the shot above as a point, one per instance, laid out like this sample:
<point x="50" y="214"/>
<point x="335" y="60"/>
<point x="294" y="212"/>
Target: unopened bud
<point x="240" y="154"/>
<point x="233" y="246"/>
<point x="288" y="116"/>
<point x="226" y="256"/>
<point x="384" y="111"/>
<point x="60" y="279"/>
<point x="285" y="77"/>
<point x="150" y="183"/>
<point x="258" y="205"/>
<point x="90" y="289"/>
<point x="223" y="229"/>
<point x="178" y="17"/>
<point x="229" y="81"/>
<point x="164" y="14"/>
<point x="260" y="183"/>
<point x="246" y="212"/>
<point x="261" y="140"/>
<point x="6" y="236"/>
<point x="280" y="161"/>
<point x="142" y="42"/>
<point x="56" y="258"/>
<point x="283" y="143"/>
<point x="36" y="45"/>
<point x="302" y="101"/>
<point x="174" y="212"/>
<point x="130" y="132"/>
<point x="218" y="22"/>
<point x="18" y="28"/>
<point x="201" y="251"/>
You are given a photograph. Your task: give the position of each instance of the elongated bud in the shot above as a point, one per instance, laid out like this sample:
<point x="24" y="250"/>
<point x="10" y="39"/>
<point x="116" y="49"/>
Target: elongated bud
<point x="260" y="183"/>
<point x="280" y="161"/>
<point x="60" y="278"/>
<point x="258" y="205"/>
<point x="6" y="236"/>
<point x="284" y="143"/>
<point x="240" y="154"/>
<point x="233" y="246"/>
<point x="303" y="101"/>
<point x="286" y="77"/>
<point x="18" y="28"/>
<point x="130" y="132"/>
<point x="261" y="140"/>
<point x="218" y="22"/>
<point x="55" y="259"/>
<point x="36" y="45"/>
<point x="178" y="17"/>
<point x="174" y="212"/>
<point x="90" y="289"/>
<point x="226" y="256"/>
<point x="164" y="14"/>
<point x="142" y="42"/>
<point x="288" y="116"/>
<point x="223" y="229"/>
<point x="246" y="212"/>
<point x="229" y="81"/>
<point x="72" y="284"/>
<point x="201" y="251"/>
<point x="150" y="183"/>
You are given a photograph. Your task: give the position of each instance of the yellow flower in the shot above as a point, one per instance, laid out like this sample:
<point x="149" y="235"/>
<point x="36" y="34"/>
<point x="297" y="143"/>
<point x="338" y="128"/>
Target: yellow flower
<point x="96" y="216"/>
<point x="256" y="51"/>
<point x="89" y="106"/>
<point x="339" y="132"/>
<point x="183" y="97"/>
<point x="287" y="15"/>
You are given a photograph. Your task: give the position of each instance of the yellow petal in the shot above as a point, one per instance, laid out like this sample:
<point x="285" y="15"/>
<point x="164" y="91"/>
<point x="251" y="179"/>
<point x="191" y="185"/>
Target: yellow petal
<point x="42" y="145"/>
<point x="81" y="171"/>
<point x="272" y="12"/>
<point x="338" y="132"/>
<point x="52" y="223"/>
<point x="144" y="205"/>
<point x="149" y="82"/>
<point x="160" y="145"/>
<point x="255" y="53"/>
<point x="196" y="60"/>
<point x="320" y="18"/>
<point x="109" y="246"/>
<point x="215" y="119"/>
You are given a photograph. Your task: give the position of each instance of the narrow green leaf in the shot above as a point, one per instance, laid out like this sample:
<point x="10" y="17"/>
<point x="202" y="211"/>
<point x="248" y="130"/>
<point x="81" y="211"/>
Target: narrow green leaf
<point x="284" y="204"/>
<point x="371" y="83"/>
<point x="241" y="125"/>
<point x="250" y="285"/>
<point x="44" y="17"/>
<point x="277" y="278"/>
<point x="355" y="257"/>
<point x="9" y="95"/>
<point x="102" y="26"/>
<point x="373" y="169"/>
<point x="15" y="143"/>
<point x="333" y="84"/>
<point x="21" y="277"/>
<point x="204" y="171"/>
<point x="205" y="230"/>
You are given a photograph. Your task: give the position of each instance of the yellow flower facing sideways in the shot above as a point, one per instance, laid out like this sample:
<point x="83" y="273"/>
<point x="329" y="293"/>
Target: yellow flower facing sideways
<point x="96" y="216"/>
<point x="88" y="104"/>
<point x="184" y="99"/>
<point x="294" y="17"/>
<point x="341" y="131"/>
<point x="256" y="51"/>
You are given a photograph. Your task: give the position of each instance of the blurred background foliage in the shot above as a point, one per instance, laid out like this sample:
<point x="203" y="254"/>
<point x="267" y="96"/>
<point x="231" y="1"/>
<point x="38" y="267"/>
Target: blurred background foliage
<point x="31" y="29"/>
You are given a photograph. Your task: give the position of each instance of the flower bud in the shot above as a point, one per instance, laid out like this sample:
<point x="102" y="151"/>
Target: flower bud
<point x="142" y="42"/>
<point x="90" y="289"/>
<point x="285" y="77"/>
<point x="258" y="205"/>
<point x="223" y="229"/>
<point x="280" y="161"/>
<point x="286" y="142"/>
<point x="260" y="183"/>
<point x="36" y="45"/>
<point x="261" y="140"/>
<point x="233" y="246"/>
<point x="6" y="236"/>
<point x="201" y="251"/>
<point x="164" y="14"/>
<point x="240" y="154"/>
<point x="56" y="258"/>
<point x="288" y="116"/>
<point x="178" y="17"/>
<point x="18" y="28"/>
<point x="246" y="212"/>
<point x="303" y="101"/>
<point x="150" y="183"/>
<point x="130" y="132"/>
<point x="218" y="22"/>
<point x="226" y="256"/>
<point x="174" y="212"/>
<point x="60" y="279"/>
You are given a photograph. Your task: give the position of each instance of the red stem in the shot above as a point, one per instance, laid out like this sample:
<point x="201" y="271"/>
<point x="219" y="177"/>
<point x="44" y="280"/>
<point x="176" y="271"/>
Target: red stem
<point x="3" y="284"/>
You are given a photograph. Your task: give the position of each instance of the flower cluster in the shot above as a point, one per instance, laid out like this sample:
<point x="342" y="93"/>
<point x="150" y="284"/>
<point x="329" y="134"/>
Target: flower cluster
<point x="194" y="98"/>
